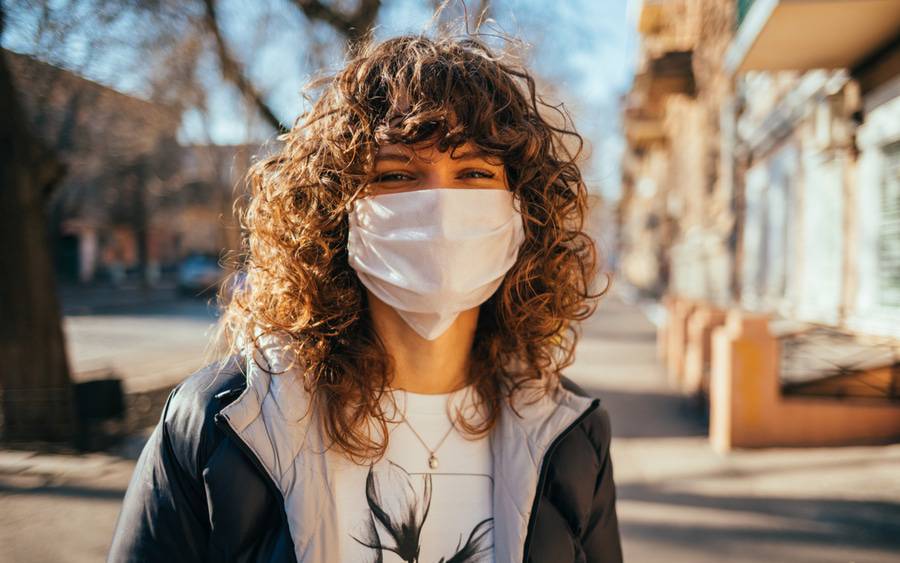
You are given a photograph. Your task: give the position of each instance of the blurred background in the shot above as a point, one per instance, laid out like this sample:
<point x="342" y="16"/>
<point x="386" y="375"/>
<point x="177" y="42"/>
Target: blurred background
<point x="744" y="161"/>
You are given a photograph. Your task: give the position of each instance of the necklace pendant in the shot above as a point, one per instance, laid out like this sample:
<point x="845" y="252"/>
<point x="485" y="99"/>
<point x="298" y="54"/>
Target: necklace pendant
<point x="433" y="461"/>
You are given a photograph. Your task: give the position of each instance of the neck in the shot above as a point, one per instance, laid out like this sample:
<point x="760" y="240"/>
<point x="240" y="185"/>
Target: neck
<point x="420" y="365"/>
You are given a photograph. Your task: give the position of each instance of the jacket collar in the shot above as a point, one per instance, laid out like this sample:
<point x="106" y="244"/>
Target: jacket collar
<point x="271" y="416"/>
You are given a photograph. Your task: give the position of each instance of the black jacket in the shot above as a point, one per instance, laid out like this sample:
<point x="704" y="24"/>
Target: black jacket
<point x="198" y="493"/>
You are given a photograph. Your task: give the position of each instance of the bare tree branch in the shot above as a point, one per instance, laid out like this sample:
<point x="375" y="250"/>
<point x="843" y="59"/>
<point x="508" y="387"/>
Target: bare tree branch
<point x="352" y="26"/>
<point x="232" y="71"/>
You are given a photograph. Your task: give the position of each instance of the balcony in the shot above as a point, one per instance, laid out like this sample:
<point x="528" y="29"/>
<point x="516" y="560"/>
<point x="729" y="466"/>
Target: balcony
<point x="642" y="128"/>
<point x="809" y="34"/>
<point x="669" y="73"/>
<point x="644" y="108"/>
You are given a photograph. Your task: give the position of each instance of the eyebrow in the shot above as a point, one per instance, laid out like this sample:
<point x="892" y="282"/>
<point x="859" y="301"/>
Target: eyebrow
<point x="398" y="157"/>
<point x="406" y="158"/>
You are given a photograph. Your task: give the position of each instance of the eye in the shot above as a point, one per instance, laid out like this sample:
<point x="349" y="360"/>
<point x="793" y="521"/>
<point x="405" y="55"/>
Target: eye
<point x="480" y="173"/>
<point x="392" y="177"/>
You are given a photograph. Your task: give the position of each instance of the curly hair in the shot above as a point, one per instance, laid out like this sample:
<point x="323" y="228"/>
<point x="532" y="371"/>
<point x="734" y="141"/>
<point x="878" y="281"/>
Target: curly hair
<point x="410" y="89"/>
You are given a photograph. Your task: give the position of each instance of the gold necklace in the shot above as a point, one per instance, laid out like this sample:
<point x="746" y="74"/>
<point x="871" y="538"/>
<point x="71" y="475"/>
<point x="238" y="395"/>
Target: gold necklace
<point x="432" y="457"/>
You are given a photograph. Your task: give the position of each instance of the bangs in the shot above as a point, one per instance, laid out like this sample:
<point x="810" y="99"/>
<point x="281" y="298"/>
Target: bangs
<point x="416" y="93"/>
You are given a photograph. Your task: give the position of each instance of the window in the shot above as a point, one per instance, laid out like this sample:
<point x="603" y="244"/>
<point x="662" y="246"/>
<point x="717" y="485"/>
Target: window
<point x="889" y="228"/>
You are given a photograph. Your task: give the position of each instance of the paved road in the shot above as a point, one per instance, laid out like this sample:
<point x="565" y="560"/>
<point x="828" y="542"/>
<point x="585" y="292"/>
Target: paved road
<point x="678" y="500"/>
<point x="148" y="344"/>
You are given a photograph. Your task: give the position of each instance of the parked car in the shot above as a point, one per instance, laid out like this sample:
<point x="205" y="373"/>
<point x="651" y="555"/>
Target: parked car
<point x="199" y="274"/>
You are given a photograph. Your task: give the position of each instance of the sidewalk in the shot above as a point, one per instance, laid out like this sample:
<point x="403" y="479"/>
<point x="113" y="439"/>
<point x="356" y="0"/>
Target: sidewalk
<point x="59" y="507"/>
<point x="679" y="501"/>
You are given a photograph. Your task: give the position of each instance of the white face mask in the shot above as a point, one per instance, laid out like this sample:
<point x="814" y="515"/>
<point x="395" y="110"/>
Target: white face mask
<point x="431" y="254"/>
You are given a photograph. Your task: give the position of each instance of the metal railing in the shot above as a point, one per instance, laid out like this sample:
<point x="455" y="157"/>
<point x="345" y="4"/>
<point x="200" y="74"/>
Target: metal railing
<point x="825" y="361"/>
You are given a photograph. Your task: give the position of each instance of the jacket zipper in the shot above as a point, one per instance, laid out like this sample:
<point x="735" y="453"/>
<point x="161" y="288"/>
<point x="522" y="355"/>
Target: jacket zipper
<point x="542" y="476"/>
<point x="222" y="423"/>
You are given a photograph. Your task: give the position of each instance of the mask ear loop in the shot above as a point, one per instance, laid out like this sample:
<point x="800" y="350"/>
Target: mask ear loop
<point x="517" y="207"/>
<point x="517" y="202"/>
<point x="348" y="206"/>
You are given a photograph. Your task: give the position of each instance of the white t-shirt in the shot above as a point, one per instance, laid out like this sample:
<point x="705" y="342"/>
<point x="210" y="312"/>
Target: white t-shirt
<point x="388" y="510"/>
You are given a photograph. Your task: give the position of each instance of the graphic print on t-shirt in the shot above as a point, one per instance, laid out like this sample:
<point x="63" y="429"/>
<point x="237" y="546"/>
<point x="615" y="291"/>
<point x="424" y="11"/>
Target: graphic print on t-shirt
<point x="399" y="505"/>
<point x="401" y="508"/>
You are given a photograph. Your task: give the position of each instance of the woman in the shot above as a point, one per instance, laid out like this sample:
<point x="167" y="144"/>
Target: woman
<point x="415" y="273"/>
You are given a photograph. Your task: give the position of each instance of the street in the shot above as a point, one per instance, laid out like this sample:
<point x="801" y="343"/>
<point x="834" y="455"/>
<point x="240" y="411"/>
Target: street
<point x="149" y="343"/>
<point x="678" y="501"/>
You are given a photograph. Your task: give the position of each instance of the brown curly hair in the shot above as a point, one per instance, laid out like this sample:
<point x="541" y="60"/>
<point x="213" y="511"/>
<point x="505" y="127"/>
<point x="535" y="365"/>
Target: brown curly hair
<point x="410" y="89"/>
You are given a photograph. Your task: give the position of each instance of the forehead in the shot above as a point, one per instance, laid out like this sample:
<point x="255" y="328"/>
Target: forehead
<point x="428" y="151"/>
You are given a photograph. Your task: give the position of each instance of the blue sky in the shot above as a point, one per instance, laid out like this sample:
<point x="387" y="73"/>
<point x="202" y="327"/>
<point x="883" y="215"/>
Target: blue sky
<point x="583" y="49"/>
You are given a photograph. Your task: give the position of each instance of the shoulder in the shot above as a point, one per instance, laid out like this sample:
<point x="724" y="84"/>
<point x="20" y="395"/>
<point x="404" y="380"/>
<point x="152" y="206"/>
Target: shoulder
<point x="580" y="468"/>
<point x="199" y="394"/>
<point x="188" y="418"/>
<point x="596" y="427"/>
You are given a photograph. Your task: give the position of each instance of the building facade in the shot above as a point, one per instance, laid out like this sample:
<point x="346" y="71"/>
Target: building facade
<point x="761" y="171"/>
<point x="133" y="201"/>
<point x="761" y="201"/>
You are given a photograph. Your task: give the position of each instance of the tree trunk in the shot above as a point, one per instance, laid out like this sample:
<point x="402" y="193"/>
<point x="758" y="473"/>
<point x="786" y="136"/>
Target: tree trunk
<point x="37" y="399"/>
